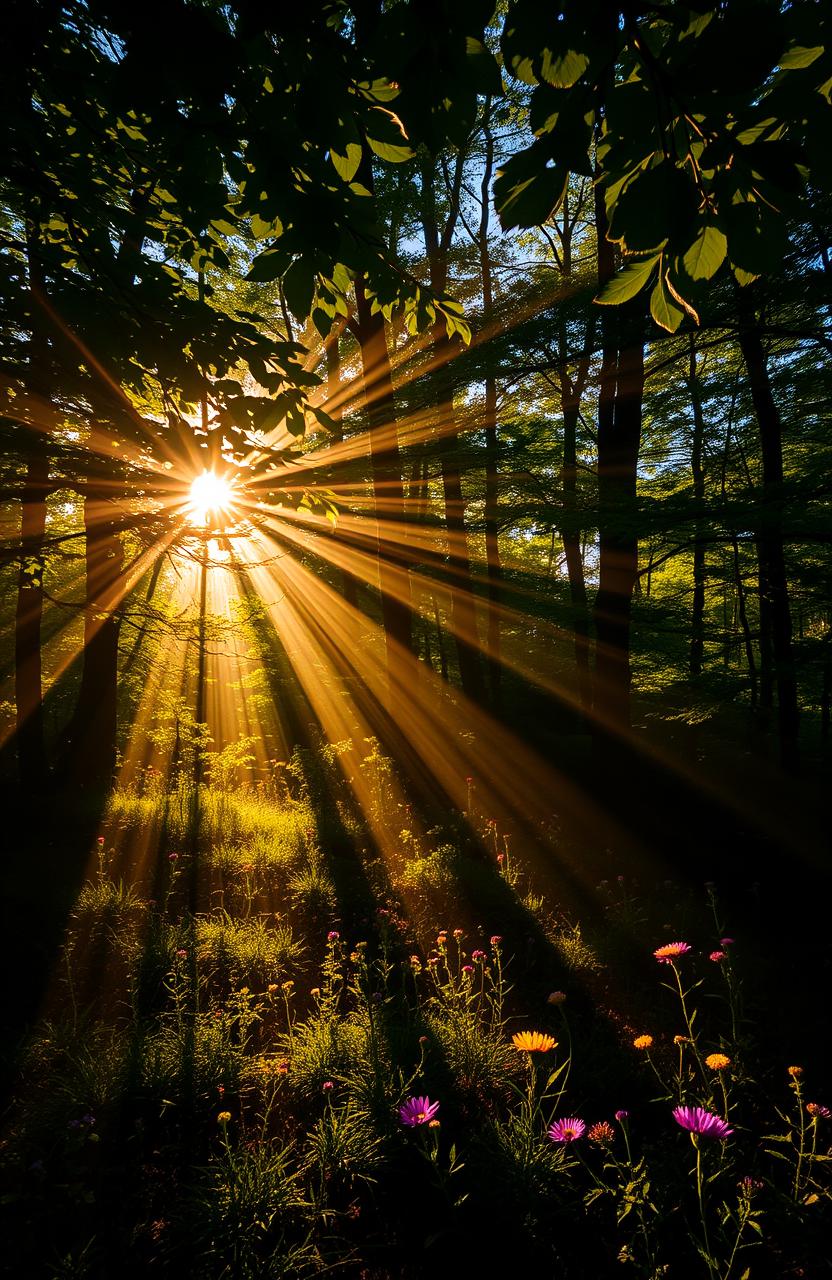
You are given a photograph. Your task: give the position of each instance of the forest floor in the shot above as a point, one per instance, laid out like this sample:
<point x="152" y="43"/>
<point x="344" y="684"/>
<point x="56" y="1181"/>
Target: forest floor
<point x="225" y="999"/>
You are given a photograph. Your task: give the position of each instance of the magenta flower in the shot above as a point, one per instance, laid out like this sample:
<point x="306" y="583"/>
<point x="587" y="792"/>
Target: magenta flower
<point x="671" y="951"/>
<point x="621" y="1116"/>
<point x="568" y="1130"/>
<point x="333" y="935"/>
<point x="417" y="1111"/>
<point x="718" y="956"/>
<point x="705" y="1123"/>
<point x="726" y="942"/>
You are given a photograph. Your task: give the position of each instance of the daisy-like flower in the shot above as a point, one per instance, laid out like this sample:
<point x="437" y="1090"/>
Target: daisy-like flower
<point x="643" y="1042"/>
<point x="568" y="1130"/>
<point x="795" y="1072"/>
<point x="533" y="1042"/>
<point x="818" y="1111"/>
<point x="417" y="1111"/>
<point x="602" y="1133"/>
<point x="671" y="951"/>
<point x="717" y="1061"/>
<point x="718" y="956"/>
<point x="705" y="1123"/>
<point x="223" y="1117"/>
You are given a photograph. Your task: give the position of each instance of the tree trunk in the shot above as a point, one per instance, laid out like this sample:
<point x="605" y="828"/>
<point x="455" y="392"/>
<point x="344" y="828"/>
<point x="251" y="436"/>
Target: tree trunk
<point x="772" y="557"/>
<point x="388" y="489"/>
<point x="697" y="622"/>
<point x="31" y="747"/>
<point x="619" y="438"/>
<point x="492" y="485"/>
<point x="572" y="552"/>
<point x="336" y="413"/>
<point x="93" y="733"/>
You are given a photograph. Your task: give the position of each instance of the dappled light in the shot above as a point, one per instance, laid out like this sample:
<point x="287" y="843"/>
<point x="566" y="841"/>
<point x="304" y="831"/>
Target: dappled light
<point x="415" y="662"/>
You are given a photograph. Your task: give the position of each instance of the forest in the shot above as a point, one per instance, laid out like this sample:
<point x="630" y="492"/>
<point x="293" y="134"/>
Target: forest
<point x="416" y="639"/>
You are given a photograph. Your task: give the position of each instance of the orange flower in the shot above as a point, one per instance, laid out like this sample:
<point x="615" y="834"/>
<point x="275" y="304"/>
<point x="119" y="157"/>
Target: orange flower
<point x="717" y="1061"/>
<point x="795" y="1072"/>
<point x="643" y="1042"/>
<point x="533" y="1042"/>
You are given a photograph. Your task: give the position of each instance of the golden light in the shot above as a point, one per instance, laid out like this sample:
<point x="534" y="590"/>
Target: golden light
<point x="210" y="496"/>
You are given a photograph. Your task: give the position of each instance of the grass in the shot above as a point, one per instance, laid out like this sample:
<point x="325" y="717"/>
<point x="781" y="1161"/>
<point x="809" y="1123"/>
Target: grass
<point x="228" y="1102"/>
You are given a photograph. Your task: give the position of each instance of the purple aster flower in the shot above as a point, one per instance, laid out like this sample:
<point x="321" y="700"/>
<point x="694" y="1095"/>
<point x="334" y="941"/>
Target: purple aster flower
<point x="622" y="1115"/>
<point x="417" y="1111"/>
<point x="698" y="1120"/>
<point x="568" y="1130"/>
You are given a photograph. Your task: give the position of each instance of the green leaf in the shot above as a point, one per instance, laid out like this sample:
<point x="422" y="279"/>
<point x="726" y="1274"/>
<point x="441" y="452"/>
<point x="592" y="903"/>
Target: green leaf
<point x="799" y="56"/>
<point x="527" y="191"/>
<point x="706" y="255"/>
<point x="628" y="282"/>
<point x="347" y="164"/>
<point x="663" y="308"/>
<point x="563" y="69"/>
<point x="299" y="288"/>
<point x="387" y="137"/>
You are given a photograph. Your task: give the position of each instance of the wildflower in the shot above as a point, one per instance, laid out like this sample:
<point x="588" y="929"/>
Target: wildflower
<point x="333" y="935"/>
<point x="568" y="1130"/>
<point x="469" y="781"/>
<point x="327" y="1086"/>
<point x="748" y="1185"/>
<point x="417" y="1111"/>
<point x="698" y="1120"/>
<point x="818" y="1111"/>
<point x="533" y="1042"/>
<point x="283" y="1067"/>
<point x="434" y="1124"/>
<point x="100" y="840"/>
<point x="643" y="1042"/>
<point x="681" y="1040"/>
<point x="272" y="987"/>
<point x="479" y="956"/>
<point x="602" y="1133"/>
<point x="182" y="954"/>
<point x="467" y="968"/>
<point x="355" y="956"/>
<point x="621" y="1116"/>
<point x="433" y="961"/>
<point x="224" y="1117"/>
<point x="496" y="940"/>
<point x="315" y="992"/>
<point x="247" y="869"/>
<point x="556" y="997"/>
<point x="423" y="1039"/>
<point x="172" y="857"/>
<point x="726" y="942"/>
<point x="718" y="956"/>
<point x="501" y="857"/>
<point x="458" y="933"/>
<point x="717" y="1061"/>
<point x="671" y="951"/>
<point x="795" y="1072"/>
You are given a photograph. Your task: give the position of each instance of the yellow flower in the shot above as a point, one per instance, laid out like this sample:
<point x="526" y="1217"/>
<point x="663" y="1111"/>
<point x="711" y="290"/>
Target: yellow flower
<point x="795" y="1072"/>
<point x="680" y="1040"/>
<point x="223" y="1117"/>
<point x="643" y="1042"/>
<point x="534" y="1042"/>
<point x="717" y="1061"/>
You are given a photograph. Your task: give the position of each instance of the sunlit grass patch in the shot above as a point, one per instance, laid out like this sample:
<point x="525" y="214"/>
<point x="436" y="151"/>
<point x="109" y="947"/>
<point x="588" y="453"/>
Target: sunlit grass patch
<point x="261" y="949"/>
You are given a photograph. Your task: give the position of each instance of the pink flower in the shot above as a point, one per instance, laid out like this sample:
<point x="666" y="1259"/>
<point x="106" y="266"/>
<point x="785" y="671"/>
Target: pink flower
<point x="568" y="1130"/>
<point x="698" y="1120"/>
<point x="671" y="951"/>
<point x="726" y="942"/>
<point x="496" y="940"/>
<point x="333" y="935"/>
<point x="718" y="956"/>
<point x="417" y="1111"/>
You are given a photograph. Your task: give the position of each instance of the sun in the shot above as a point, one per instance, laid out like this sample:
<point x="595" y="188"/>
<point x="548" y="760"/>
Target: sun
<point x="210" y="495"/>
